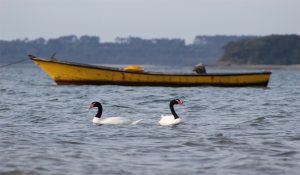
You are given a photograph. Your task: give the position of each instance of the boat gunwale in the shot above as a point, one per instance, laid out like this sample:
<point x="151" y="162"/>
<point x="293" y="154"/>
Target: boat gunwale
<point x="145" y="73"/>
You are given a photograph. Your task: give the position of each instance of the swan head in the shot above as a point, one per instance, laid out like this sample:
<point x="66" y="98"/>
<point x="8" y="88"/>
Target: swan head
<point x="94" y="104"/>
<point x="176" y="101"/>
<point x="99" y="106"/>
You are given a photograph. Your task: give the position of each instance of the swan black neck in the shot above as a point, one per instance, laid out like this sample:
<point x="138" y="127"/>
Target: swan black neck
<point x="99" y="113"/>
<point x="172" y="110"/>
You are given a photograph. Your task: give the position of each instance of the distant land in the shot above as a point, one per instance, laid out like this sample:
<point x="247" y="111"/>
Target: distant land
<point x="267" y="50"/>
<point x="131" y="50"/>
<point x="209" y="50"/>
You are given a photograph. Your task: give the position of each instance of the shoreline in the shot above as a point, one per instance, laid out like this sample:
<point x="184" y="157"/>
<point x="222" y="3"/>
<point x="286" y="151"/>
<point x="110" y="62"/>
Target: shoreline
<point x="215" y="66"/>
<point x="253" y="66"/>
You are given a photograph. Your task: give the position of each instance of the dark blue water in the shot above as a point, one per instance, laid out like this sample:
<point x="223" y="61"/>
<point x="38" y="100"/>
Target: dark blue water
<point x="47" y="129"/>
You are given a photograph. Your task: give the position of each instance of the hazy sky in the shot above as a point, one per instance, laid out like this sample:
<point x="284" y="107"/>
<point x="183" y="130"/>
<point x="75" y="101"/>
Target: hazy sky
<point x="147" y="18"/>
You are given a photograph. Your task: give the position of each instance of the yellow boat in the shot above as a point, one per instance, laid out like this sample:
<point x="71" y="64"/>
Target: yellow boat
<point x="64" y="73"/>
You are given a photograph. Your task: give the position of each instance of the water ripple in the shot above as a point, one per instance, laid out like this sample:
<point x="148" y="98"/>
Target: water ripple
<point x="47" y="129"/>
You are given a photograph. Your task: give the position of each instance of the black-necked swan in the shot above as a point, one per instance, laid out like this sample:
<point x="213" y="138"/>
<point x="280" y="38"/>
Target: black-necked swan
<point x="110" y="120"/>
<point x="171" y="119"/>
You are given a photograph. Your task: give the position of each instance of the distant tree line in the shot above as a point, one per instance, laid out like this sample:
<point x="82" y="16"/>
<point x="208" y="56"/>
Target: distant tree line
<point x="273" y="49"/>
<point x="131" y="50"/>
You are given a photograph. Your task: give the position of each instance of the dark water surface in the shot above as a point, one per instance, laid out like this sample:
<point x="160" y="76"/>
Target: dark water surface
<point x="47" y="129"/>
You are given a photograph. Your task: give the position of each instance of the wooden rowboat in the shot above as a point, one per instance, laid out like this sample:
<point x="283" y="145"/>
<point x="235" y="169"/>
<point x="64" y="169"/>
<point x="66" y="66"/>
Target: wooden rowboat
<point x="63" y="73"/>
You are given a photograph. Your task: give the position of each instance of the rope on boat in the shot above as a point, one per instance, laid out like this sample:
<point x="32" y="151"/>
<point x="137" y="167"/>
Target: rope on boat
<point x="12" y="63"/>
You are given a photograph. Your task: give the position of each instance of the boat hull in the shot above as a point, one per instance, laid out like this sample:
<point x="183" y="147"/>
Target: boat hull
<point x="66" y="73"/>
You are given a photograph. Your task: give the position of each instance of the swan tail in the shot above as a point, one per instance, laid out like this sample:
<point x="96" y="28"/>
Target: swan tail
<point x="136" y="122"/>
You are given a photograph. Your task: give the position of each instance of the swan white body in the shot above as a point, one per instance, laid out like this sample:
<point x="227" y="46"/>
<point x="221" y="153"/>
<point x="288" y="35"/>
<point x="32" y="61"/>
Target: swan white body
<point x="114" y="121"/>
<point x="110" y="120"/>
<point x="168" y="120"/>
